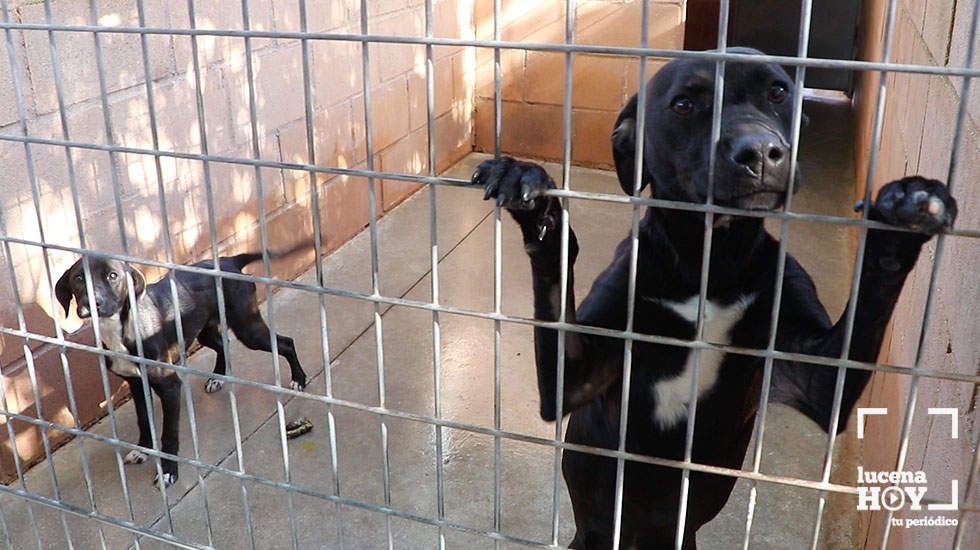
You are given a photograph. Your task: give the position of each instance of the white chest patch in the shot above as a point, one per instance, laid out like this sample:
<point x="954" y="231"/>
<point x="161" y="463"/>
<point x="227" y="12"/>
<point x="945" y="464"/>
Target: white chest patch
<point x="673" y="395"/>
<point x="111" y="332"/>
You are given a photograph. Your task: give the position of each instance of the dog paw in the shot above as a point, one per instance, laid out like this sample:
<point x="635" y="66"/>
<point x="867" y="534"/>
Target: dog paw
<point x="168" y="480"/>
<point x="135" y="457"/>
<point x="297" y="385"/>
<point x="917" y="203"/>
<point x="516" y="185"/>
<point x="213" y="385"/>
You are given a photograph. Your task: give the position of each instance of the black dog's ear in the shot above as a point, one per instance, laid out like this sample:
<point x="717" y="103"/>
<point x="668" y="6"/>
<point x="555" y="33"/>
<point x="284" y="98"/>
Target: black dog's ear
<point x="62" y="290"/>
<point x="624" y="147"/>
<point x="139" y="281"/>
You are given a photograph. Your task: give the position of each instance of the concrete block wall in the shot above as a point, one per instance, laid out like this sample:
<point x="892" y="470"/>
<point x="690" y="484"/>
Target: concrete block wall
<point x="532" y="83"/>
<point x="397" y="81"/>
<point x="917" y="138"/>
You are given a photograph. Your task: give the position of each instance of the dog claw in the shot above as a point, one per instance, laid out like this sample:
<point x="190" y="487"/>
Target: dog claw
<point x="527" y="194"/>
<point x="168" y="480"/>
<point x="297" y="386"/>
<point x="135" y="457"/>
<point x="213" y="385"/>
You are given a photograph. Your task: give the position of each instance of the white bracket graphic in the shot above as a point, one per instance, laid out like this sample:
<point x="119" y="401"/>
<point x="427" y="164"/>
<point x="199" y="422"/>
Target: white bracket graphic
<point x="954" y="498"/>
<point x="862" y="412"/>
<point x="953" y="417"/>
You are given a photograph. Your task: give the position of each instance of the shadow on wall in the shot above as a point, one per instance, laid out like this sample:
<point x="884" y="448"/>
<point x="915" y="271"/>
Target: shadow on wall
<point x="131" y="183"/>
<point x="533" y="83"/>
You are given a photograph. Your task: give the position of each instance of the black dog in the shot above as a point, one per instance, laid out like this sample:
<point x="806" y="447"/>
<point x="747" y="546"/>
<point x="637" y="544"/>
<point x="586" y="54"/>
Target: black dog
<point x="199" y="317"/>
<point x="751" y="173"/>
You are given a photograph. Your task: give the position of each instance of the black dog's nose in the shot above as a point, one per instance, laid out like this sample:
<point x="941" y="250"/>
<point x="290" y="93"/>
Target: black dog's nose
<point x="758" y="153"/>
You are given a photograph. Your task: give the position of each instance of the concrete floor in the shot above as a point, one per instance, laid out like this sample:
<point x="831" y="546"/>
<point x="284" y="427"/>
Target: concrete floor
<point x="784" y="516"/>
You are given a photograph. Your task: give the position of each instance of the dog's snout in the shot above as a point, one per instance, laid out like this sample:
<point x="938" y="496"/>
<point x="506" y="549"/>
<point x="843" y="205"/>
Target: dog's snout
<point x="758" y="154"/>
<point x="102" y="304"/>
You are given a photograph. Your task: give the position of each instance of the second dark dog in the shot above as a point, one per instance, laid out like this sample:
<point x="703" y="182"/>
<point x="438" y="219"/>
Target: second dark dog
<point x="752" y="173"/>
<point x="153" y="325"/>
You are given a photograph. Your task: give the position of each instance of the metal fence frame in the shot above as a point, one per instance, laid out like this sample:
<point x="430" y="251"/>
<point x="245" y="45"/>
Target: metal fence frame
<point x="801" y="61"/>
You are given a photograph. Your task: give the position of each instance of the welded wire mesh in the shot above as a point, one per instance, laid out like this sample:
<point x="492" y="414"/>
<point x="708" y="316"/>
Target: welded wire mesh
<point x="342" y="504"/>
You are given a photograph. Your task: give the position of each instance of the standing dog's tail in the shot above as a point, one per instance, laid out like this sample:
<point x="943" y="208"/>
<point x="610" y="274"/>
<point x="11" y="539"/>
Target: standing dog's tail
<point x="241" y="260"/>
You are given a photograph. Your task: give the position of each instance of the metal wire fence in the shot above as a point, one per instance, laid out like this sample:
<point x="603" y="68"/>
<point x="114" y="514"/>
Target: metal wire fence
<point x="321" y="288"/>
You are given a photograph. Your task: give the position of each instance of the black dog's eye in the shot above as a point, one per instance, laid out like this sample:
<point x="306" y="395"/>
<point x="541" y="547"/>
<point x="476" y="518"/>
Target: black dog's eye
<point x="777" y="93"/>
<point x="79" y="277"/>
<point x="682" y="105"/>
<point x="113" y="275"/>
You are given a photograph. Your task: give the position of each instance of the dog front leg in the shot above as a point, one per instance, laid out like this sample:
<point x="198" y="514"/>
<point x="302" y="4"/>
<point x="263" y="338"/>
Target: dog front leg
<point x="143" y="418"/>
<point x="168" y="389"/>
<point x="913" y="203"/>
<point x="591" y="364"/>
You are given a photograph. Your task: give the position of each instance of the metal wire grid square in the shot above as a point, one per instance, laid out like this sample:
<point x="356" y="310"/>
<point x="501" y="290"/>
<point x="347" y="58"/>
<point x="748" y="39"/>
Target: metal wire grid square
<point x="322" y="289"/>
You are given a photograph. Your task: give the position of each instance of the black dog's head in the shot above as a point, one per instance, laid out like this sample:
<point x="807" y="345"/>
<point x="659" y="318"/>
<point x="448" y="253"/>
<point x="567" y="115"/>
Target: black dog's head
<point x="109" y="285"/>
<point x="752" y="162"/>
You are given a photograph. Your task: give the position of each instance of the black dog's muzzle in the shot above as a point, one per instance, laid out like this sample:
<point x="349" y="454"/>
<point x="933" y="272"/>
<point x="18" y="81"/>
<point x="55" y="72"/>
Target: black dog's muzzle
<point x="753" y="166"/>
<point x="105" y="307"/>
<point x="758" y="155"/>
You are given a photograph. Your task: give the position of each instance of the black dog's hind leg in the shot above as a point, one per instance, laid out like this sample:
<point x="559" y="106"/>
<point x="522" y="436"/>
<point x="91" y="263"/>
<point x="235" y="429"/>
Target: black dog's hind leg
<point x="246" y="322"/>
<point x="591" y="363"/>
<point x="210" y="337"/>
<point x="168" y="389"/>
<point x="914" y="203"/>
<point x="255" y="335"/>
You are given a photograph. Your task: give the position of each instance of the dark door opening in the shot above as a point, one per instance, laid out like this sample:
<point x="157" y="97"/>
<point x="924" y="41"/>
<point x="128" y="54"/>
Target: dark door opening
<point x="773" y="27"/>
